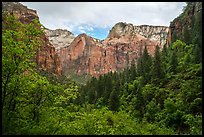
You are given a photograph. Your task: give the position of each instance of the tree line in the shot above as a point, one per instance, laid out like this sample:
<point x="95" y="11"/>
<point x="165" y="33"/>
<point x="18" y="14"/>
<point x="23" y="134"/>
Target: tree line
<point x="159" y="94"/>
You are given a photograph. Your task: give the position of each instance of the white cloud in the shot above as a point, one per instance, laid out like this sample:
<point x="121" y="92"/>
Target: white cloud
<point x="85" y="29"/>
<point x="82" y="31"/>
<point x="90" y="33"/>
<point x="81" y="27"/>
<point x="72" y="15"/>
<point x="90" y="28"/>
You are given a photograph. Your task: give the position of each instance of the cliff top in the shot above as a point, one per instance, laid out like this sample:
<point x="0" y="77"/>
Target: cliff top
<point x="15" y="6"/>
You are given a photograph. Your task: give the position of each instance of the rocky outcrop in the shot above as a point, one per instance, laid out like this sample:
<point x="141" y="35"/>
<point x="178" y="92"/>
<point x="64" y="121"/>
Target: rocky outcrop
<point x="182" y="27"/>
<point x="24" y="14"/>
<point x="153" y="33"/>
<point x="59" y="38"/>
<point x="89" y="56"/>
<point x="64" y="54"/>
<point x="47" y="59"/>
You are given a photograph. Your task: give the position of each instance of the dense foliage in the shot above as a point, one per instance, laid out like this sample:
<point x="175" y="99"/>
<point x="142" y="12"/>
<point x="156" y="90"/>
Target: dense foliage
<point x="168" y="100"/>
<point x="189" y="25"/>
<point x="161" y="94"/>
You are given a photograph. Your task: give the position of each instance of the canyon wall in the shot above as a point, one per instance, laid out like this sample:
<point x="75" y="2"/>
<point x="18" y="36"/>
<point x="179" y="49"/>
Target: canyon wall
<point x="46" y="59"/>
<point x="188" y="25"/>
<point x="154" y="33"/>
<point x="64" y="54"/>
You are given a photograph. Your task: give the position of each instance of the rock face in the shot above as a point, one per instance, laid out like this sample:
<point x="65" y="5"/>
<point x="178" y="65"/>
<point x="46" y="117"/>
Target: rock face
<point x="47" y="59"/>
<point x="185" y="23"/>
<point x="24" y="14"/>
<point x="153" y="33"/>
<point x="59" y="38"/>
<point x="64" y="54"/>
<point x="87" y="55"/>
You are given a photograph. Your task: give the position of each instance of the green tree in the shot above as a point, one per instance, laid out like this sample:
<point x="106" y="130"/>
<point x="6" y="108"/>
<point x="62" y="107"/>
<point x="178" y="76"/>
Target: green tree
<point x="173" y="62"/>
<point x="146" y="66"/>
<point x="114" y="99"/>
<point x="20" y="42"/>
<point x="139" y="63"/>
<point x="108" y="88"/>
<point x="187" y="35"/>
<point x="164" y="57"/>
<point x="164" y="50"/>
<point x="152" y="108"/>
<point x="157" y="67"/>
<point x="100" y="84"/>
<point x="133" y="72"/>
<point x="197" y="54"/>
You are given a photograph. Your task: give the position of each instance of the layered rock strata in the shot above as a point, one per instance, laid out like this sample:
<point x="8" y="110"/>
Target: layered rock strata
<point x="64" y="54"/>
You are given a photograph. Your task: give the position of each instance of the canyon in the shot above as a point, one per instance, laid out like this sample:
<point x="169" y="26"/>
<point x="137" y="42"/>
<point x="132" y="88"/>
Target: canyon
<point x="84" y="56"/>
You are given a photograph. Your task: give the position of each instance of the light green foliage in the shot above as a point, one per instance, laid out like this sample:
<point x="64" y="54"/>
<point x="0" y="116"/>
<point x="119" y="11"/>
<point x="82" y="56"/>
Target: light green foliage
<point x="179" y="46"/>
<point x="64" y="97"/>
<point x="19" y="45"/>
<point x="122" y="103"/>
<point x="95" y="122"/>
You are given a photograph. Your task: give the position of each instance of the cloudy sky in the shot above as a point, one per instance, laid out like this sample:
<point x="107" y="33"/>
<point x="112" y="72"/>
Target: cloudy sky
<point x="97" y="18"/>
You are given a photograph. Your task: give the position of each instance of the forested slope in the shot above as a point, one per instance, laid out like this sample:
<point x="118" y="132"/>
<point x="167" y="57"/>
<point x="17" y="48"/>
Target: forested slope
<point x="161" y="94"/>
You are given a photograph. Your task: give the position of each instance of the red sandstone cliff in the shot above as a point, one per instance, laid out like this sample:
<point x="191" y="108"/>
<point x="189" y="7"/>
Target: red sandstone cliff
<point x="47" y="59"/>
<point x="182" y="26"/>
<point x="64" y="54"/>
<point x="86" y="55"/>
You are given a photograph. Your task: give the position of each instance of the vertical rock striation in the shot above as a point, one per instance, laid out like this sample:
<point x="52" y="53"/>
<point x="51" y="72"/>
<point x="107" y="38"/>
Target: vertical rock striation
<point x="46" y="59"/>
<point x="64" y="54"/>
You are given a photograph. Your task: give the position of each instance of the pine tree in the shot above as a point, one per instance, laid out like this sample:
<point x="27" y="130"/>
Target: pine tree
<point x="139" y="63"/>
<point x="133" y="71"/>
<point x="174" y="37"/>
<point x="92" y="93"/>
<point x="164" y="57"/>
<point x="164" y="50"/>
<point x="146" y="63"/>
<point x="114" y="99"/>
<point x="186" y="35"/>
<point x="173" y="62"/>
<point x="157" y="68"/>
<point x="197" y="54"/>
<point x="107" y="88"/>
<point x="197" y="29"/>
<point x="100" y="86"/>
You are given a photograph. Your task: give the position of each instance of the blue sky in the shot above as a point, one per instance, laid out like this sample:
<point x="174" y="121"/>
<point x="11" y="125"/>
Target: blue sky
<point x="97" y="18"/>
<point x="95" y="32"/>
